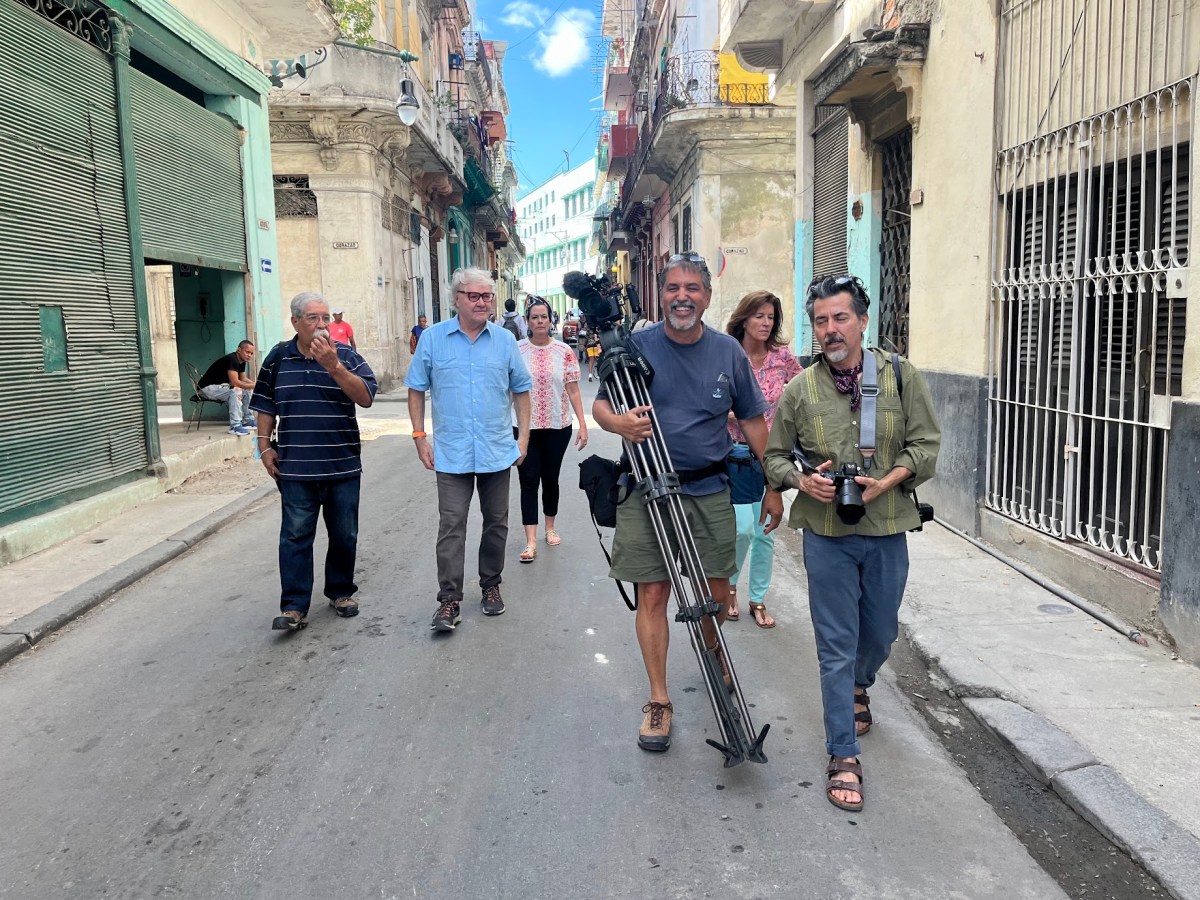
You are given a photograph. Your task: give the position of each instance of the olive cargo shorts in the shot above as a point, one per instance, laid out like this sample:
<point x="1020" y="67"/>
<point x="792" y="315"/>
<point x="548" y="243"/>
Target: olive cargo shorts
<point x="636" y="556"/>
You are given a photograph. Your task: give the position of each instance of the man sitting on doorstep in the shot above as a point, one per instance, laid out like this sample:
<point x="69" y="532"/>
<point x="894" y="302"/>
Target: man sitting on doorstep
<point x="226" y="381"/>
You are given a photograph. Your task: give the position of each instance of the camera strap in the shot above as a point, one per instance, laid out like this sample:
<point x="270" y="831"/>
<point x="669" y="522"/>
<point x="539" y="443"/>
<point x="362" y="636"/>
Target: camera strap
<point x="870" y="391"/>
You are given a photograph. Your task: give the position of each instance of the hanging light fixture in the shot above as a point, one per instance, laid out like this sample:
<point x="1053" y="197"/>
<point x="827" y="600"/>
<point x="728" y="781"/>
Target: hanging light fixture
<point x="452" y="233"/>
<point x="408" y="105"/>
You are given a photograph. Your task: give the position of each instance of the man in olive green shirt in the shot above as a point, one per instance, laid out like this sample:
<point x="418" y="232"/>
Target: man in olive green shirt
<point x="856" y="572"/>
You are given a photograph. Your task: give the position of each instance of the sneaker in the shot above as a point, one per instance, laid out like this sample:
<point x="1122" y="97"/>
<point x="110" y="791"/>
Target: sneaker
<point x="239" y="430"/>
<point x="251" y="424"/>
<point x="446" y="617"/>
<point x="492" y="603"/>
<point x="655" y="734"/>
<point x="289" y="620"/>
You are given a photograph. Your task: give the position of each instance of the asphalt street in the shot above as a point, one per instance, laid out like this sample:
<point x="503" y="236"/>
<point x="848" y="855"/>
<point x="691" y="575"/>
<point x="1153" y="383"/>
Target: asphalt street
<point x="170" y="744"/>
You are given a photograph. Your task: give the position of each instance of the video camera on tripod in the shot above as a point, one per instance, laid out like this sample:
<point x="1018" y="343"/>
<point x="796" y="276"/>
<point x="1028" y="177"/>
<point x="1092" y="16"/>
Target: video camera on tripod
<point x="626" y="375"/>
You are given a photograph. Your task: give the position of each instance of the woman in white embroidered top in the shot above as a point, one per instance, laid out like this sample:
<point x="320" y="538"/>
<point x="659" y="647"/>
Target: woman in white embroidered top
<point x="555" y="372"/>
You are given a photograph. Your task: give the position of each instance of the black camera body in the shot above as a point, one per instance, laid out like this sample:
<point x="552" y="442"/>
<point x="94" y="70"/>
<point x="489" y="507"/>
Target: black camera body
<point x="848" y="497"/>
<point x="599" y="300"/>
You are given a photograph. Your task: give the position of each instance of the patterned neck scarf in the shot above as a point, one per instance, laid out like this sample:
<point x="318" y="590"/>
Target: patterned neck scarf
<point x="846" y="381"/>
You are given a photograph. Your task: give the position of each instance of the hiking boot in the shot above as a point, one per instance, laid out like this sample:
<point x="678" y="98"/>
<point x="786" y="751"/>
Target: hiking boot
<point x="655" y="734"/>
<point x="289" y="620"/>
<point x="345" y="607"/>
<point x="446" y="617"/>
<point x="492" y="603"/>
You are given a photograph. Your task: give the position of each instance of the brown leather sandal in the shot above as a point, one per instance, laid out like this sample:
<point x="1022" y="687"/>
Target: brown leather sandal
<point x="840" y="784"/>
<point x="862" y="716"/>
<point x="755" y="609"/>
<point x="732" y="613"/>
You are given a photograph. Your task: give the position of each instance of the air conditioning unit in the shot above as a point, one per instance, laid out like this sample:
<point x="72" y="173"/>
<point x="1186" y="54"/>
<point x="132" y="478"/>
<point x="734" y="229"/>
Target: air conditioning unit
<point x="641" y="101"/>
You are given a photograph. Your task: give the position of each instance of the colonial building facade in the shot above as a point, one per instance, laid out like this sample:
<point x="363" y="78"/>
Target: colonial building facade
<point x="140" y="136"/>
<point x="1011" y="179"/>
<point x="702" y="150"/>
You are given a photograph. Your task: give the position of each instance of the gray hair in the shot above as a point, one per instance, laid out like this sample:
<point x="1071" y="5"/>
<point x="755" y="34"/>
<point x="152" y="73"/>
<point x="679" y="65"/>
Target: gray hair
<point x="471" y="276"/>
<point x="301" y="300"/>
<point x="689" y="261"/>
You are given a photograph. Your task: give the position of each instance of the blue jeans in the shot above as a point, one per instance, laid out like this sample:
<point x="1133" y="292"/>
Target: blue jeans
<point x="855" y="585"/>
<point x="337" y="501"/>
<point x="236" y="400"/>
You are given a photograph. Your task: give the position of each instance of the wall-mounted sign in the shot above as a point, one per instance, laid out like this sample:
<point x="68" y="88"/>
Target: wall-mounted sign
<point x="266" y="265"/>
<point x="264" y="225"/>
<point x="735" y="251"/>
<point x="345" y="245"/>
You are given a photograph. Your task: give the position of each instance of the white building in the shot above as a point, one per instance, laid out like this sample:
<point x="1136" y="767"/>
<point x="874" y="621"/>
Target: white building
<point x="554" y="221"/>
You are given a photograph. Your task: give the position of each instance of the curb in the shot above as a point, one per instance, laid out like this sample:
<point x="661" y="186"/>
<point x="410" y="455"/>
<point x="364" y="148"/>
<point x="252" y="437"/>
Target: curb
<point x="24" y="633"/>
<point x="1096" y="792"/>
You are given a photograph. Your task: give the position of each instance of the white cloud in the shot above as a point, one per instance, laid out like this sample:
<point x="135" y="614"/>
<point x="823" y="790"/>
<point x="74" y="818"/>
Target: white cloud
<point x="564" y="42"/>
<point x="523" y="14"/>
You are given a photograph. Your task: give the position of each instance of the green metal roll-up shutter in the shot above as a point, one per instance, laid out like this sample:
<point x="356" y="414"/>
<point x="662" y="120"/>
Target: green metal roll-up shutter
<point x="189" y="173"/>
<point x="70" y="411"/>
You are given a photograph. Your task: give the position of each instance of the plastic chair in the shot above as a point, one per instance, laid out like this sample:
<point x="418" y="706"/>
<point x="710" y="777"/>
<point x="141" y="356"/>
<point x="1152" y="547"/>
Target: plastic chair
<point x="198" y="400"/>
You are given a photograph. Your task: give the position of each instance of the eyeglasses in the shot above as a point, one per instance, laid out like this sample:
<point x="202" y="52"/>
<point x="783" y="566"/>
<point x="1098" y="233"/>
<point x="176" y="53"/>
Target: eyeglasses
<point x="475" y="296"/>
<point x="314" y="318"/>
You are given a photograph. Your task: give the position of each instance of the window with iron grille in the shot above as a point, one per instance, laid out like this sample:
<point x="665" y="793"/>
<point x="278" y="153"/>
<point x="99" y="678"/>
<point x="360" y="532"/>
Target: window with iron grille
<point x="1089" y="313"/>
<point x="294" y="198"/>
<point x="686" y="228"/>
<point x="894" y="236"/>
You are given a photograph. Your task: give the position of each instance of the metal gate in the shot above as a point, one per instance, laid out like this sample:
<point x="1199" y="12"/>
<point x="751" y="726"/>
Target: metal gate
<point x="895" y="230"/>
<point x="70" y="388"/>
<point x="1088" y="302"/>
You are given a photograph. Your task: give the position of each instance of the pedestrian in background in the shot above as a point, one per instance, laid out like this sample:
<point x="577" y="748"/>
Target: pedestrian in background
<point x="310" y="387"/>
<point x="473" y="371"/>
<point x="226" y="381"/>
<point x="555" y="393"/>
<point x="757" y="325"/>
<point x="342" y="332"/>
<point x="415" y="334"/>
<point x="593" y="352"/>
<point x="856" y="572"/>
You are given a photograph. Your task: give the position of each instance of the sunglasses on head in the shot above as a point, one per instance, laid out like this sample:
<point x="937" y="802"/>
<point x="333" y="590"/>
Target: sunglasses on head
<point x="689" y="257"/>
<point x="839" y="282"/>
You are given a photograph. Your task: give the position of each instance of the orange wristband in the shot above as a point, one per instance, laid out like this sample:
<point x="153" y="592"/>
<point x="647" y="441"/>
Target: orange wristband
<point x="419" y="434"/>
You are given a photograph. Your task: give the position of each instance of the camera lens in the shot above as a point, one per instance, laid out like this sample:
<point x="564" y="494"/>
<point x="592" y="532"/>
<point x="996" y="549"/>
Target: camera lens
<point x="848" y="501"/>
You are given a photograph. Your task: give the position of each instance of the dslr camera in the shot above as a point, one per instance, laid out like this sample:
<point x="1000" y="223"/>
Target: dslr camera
<point x="847" y="496"/>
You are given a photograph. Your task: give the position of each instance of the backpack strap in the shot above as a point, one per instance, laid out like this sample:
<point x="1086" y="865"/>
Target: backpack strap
<point x="608" y="558"/>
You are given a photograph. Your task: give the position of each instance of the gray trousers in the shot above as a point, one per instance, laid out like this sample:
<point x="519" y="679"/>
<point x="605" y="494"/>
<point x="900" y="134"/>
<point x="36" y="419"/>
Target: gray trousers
<point x="454" y="502"/>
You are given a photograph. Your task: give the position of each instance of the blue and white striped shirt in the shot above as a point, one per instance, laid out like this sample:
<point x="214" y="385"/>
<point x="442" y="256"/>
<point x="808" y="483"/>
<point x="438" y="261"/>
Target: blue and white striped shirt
<point x="318" y="431"/>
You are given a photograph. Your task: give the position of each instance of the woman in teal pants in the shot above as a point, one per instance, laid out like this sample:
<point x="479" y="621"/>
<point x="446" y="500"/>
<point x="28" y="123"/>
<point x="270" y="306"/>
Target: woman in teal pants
<point x="756" y="323"/>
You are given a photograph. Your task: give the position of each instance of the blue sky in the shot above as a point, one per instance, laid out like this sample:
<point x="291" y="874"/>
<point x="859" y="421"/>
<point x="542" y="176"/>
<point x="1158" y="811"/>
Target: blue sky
<point x="549" y="79"/>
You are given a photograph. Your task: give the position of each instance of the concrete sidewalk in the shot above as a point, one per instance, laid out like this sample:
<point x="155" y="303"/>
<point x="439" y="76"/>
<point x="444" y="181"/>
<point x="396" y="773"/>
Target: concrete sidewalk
<point x="1110" y="726"/>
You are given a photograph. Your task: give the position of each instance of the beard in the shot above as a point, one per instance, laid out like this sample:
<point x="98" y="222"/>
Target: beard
<point x="683" y="320"/>
<point x="836" y="352"/>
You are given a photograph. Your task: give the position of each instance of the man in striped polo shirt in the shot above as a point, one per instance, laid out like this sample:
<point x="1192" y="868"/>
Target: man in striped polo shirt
<point x="311" y="385"/>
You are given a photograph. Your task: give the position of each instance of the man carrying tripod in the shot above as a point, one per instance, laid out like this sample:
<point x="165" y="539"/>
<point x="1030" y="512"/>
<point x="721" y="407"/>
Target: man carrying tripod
<point x="700" y="376"/>
<point x="852" y="409"/>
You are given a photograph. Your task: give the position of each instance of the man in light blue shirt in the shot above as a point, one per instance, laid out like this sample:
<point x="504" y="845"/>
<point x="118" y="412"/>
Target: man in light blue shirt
<point x="473" y="371"/>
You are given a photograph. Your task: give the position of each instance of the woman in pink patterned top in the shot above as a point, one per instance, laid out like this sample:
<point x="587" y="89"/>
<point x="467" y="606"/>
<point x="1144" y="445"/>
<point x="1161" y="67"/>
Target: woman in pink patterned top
<point x="756" y="323"/>
<point x="555" y="372"/>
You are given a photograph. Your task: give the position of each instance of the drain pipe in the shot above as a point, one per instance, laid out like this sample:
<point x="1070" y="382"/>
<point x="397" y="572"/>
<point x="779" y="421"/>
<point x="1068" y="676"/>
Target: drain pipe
<point x="1074" y="599"/>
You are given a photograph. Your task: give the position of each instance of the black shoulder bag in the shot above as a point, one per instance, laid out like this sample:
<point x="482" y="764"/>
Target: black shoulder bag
<point x="598" y="478"/>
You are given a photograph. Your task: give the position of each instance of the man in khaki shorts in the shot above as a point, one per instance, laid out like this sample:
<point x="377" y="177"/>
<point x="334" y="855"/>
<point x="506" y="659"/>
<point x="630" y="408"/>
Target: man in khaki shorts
<point x="701" y="376"/>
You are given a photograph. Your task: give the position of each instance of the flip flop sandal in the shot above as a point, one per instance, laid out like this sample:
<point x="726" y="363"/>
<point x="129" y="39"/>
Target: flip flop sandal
<point x="761" y="608"/>
<point x="839" y="784"/>
<point x="529" y="554"/>
<point x="863" y="716"/>
<point x="734" y="613"/>
<point x="553" y="538"/>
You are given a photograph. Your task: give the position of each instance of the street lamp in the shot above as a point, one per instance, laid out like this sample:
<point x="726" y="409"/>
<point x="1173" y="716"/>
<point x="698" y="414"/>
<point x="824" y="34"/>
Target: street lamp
<point x="407" y="106"/>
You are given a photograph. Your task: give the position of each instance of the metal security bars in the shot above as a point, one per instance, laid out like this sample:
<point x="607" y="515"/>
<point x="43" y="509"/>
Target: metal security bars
<point x="896" y="228"/>
<point x="294" y="198"/>
<point x="1092" y="223"/>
